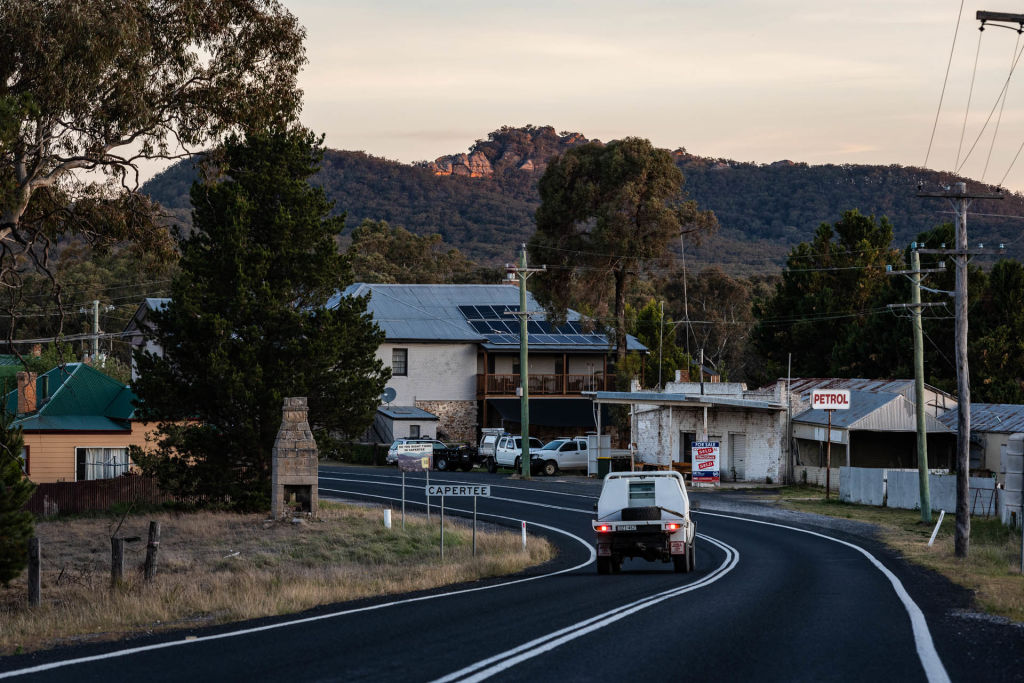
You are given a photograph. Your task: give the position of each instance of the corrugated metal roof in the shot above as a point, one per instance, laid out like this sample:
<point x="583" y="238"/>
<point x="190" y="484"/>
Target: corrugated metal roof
<point x="431" y="313"/>
<point x="9" y="360"/>
<point x="876" y="412"/>
<point x="904" y="387"/>
<point x="406" y="413"/>
<point x="78" y="391"/>
<point x="660" y="398"/>
<point x="72" y="423"/>
<point x="1001" y="418"/>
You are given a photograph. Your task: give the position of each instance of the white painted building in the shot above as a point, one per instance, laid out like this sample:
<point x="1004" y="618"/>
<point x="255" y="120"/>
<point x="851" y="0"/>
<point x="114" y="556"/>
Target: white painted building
<point x="750" y="426"/>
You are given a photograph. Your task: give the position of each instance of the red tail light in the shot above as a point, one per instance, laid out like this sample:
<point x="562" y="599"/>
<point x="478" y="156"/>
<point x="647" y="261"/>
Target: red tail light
<point x="604" y="527"/>
<point x="672" y="527"/>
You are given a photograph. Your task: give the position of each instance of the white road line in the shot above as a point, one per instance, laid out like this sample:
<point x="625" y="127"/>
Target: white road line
<point x="926" y="652"/>
<point x="493" y="486"/>
<point x="510" y="658"/>
<point x="420" y="490"/>
<point x="306" y="620"/>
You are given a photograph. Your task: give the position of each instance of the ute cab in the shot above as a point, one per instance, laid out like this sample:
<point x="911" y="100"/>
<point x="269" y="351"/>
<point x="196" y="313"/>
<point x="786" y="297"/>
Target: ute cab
<point x="644" y="515"/>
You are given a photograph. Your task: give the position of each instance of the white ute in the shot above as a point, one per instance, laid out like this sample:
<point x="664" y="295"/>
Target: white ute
<point x="644" y="514"/>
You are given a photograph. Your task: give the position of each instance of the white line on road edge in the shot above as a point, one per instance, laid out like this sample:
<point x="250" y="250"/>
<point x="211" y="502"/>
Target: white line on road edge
<point x="192" y="640"/>
<point x="510" y="658"/>
<point x="463" y="481"/>
<point x="926" y="652"/>
<point x="507" y="500"/>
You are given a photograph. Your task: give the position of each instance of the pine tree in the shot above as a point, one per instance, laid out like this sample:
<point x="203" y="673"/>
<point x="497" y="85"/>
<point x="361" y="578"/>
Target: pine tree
<point x="16" y="524"/>
<point x="249" y="324"/>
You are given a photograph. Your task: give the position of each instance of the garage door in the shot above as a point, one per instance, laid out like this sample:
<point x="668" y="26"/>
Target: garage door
<point x="738" y="456"/>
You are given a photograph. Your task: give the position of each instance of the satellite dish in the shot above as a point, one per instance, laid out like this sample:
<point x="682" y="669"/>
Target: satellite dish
<point x="389" y="395"/>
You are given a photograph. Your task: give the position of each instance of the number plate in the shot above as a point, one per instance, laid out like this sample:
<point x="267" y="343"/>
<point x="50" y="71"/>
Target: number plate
<point x="627" y="527"/>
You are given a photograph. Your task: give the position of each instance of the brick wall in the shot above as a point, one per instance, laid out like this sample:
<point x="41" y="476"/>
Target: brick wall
<point x="456" y="419"/>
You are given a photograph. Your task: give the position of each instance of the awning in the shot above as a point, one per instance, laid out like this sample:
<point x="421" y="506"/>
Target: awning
<point x="552" y="412"/>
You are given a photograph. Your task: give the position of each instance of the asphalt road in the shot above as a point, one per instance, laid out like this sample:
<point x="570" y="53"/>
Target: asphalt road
<point x="772" y="600"/>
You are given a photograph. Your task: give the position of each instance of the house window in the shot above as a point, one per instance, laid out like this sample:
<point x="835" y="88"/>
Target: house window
<point x="100" y="463"/>
<point x="414" y="431"/>
<point x="400" y="362"/>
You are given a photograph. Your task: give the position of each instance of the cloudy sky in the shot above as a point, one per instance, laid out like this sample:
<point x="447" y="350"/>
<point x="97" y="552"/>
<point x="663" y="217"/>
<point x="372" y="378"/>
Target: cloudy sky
<point x="752" y="80"/>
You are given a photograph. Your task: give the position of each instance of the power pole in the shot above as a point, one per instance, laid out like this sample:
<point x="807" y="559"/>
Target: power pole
<point x="922" y="433"/>
<point x="960" y="199"/>
<point x="524" y="374"/>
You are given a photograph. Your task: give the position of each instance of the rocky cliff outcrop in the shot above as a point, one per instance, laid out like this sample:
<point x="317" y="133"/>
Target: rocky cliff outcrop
<point x="525" y="149"/>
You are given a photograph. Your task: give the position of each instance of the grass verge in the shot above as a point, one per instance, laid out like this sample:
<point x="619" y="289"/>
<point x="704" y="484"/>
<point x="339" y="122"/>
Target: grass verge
<point x="991" y="570"/>
<point x="218" y="567"/>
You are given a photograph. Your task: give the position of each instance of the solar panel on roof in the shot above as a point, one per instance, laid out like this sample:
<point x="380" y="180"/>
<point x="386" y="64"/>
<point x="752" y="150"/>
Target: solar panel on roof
<point x="481" y="326"/>
<point x="468" y="312"/>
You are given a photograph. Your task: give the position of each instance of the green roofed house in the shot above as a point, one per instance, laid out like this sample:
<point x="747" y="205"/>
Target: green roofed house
<point x="78" y="424"/>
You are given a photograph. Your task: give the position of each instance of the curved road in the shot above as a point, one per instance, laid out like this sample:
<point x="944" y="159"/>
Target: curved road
<point x="769" y="601"/>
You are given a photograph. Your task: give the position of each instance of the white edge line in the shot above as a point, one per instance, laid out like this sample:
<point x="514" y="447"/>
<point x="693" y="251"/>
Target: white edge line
<point x="305" y="620"/>
<point x="926" y="652"/>
<point x="550" y="641"/>
<point x="462" y="481"/>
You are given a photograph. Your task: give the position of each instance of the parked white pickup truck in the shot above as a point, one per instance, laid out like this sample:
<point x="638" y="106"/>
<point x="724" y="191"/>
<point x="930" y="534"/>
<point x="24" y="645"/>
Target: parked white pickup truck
<point x="565" y="453"/>
<point x="505" y="450"/>
<point x="644" y="514"/>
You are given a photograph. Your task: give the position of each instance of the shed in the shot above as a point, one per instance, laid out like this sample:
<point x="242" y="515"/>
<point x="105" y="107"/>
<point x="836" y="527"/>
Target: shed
<point x="402" y="422"/>
<point x="992" y="424"/>
<point x="878" y="430"/>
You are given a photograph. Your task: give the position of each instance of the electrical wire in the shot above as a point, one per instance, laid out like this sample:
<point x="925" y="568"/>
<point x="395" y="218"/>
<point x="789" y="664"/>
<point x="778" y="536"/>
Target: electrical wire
<point x="970" y="94"/>
<point x="999" y="119"/>
<point x="945" y="80"/>
<point x="981" y="132"/>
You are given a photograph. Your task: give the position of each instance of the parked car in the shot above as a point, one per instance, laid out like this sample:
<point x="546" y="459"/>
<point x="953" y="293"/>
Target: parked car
<point x="445" y="457"/>
<point x="564" y="453"/>
<point x="505" y="450"/>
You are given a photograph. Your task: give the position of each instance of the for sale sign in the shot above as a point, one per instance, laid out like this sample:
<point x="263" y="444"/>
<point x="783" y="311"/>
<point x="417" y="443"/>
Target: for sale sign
<point x="705" y="467"/>
<point x="830" y="399"/>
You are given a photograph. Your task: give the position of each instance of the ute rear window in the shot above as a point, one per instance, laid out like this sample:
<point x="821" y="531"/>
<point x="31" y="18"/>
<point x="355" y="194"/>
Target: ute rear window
<point x="641" y="493"/>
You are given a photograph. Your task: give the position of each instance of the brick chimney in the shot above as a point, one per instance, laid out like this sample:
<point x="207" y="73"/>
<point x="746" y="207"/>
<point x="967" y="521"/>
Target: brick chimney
<point x="26" y="392"/>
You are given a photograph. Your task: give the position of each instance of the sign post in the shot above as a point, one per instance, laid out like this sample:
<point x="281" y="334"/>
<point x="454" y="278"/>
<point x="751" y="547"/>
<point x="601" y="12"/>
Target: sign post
<point x="830" y="400"/>
<point x="457" y="490"/>
<point x="414" y="457"/>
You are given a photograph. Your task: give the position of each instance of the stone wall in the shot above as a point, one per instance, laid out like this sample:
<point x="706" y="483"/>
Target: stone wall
<point x="456" y="419"/>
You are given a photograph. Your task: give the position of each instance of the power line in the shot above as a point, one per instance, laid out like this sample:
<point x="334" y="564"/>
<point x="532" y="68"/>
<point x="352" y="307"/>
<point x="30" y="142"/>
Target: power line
<point x="945" y="79"/>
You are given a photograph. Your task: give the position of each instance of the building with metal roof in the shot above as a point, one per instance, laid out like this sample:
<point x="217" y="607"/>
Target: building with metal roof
<point x="77" y="424"/>
<point x="454" y="352"/>
<point x="992" y="425"/>
<point x="936" y="400"/>
<point x="878" y="430"/>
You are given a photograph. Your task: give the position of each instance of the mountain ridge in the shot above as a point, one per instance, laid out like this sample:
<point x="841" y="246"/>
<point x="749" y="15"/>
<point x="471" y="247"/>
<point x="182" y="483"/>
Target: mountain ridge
<point x="482" y="201"/>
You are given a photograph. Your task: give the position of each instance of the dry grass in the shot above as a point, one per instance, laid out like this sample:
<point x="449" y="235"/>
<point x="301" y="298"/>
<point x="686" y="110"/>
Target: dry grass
<point x="217" y="567"/>
<point x="991" y="570"/>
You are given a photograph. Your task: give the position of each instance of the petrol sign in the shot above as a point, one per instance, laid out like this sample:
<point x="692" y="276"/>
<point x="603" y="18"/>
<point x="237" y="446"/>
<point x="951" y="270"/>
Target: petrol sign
<point x="830" y="399"/>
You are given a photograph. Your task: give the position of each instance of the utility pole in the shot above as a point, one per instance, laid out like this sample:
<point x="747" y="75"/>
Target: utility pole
<point x="922" y="433"/>
<point x="960" y="199"/>
<point x="524" y="374"/>
<point x="95" y="331"/>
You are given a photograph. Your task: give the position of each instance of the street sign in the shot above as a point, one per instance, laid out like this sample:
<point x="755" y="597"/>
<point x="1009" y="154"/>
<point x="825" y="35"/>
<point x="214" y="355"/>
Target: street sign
<point x="458" y="490"/>
<point x="414" y="457"/>
<point x="705" y="469"/>
<point x="830" y="399"/>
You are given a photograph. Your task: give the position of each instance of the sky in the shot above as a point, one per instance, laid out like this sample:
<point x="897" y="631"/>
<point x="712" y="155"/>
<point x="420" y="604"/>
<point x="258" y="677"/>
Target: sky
<point x="751" y="80"/>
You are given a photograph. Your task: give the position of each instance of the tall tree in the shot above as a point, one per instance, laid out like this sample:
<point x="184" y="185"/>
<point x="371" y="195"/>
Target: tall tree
<point x="100" y="85"/>
<point x="249" y="323"/>
<point x="16" y="526"/>
<point x="828" y="287"/>
<point x="657" y="333"/>
<point x="391" y="254"/>
<point x="607" y="214"/>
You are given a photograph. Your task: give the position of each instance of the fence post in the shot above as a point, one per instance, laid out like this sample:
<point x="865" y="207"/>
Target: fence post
<point x="34" y="584"/>
<point x="116" y="561"/>
<point x="152" y="547"/>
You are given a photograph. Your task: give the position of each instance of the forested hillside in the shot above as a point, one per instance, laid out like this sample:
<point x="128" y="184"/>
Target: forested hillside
<point x="483" y="202"/>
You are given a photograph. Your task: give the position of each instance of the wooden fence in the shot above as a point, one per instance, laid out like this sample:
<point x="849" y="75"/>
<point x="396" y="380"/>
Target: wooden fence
<point x="72" y="497"/>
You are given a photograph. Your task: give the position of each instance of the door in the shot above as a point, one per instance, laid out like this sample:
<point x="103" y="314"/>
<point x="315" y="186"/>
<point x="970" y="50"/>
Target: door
<point x="686" y="439"/>
<point x="570" y="455"/>
<point x="738" y="456"/>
